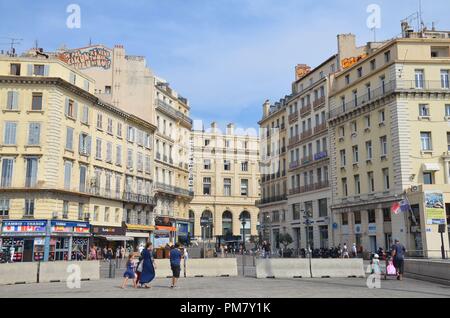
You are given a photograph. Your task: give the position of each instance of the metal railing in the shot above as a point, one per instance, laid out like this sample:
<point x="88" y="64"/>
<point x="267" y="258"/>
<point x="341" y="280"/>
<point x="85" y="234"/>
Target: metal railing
<point x="169" y="109"/>
<point x="172" y="189"/>
<point x="271" y="200"/>
<point x="305" y="110"/>
<point x="137" y="198"/>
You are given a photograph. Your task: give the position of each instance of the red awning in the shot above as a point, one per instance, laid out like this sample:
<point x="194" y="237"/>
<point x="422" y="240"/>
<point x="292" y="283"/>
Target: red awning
<point x="166" y="228"/>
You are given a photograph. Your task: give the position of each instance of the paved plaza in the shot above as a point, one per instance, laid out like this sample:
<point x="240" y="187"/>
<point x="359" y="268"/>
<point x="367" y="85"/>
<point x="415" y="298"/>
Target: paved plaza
<point x="235" y="287"/>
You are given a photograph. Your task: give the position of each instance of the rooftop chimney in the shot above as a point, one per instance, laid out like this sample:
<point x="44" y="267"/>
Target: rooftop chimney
<point x="213" y="127"/>
<point x="266" y="108"/>
<point x="230" y="129"/>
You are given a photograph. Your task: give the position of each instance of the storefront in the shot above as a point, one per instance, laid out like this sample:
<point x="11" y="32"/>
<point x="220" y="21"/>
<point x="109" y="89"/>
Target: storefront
<point x="109" y="236"/>
<point x="24" y="239"/>
<point x="31" y="240"/>
<point x="165" y="232"/>
<point x="182" y="234"/>
<point x="139" y="236"/>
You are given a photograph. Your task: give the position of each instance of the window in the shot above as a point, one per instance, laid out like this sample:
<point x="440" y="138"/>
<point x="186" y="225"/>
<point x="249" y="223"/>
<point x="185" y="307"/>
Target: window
<point x="14" y="69"/>
<point x="344" y="219"/>
<point x="386" y="183"/>
<point x="357" y="184"/>
<point x="85" y="115"/>
<point x="445" y="79"/>
<point x="342" y="131"/>
<point x="148" y="168"/>
<point x="71" y="108"/>
<point x="34" y="133"/>
<point x="73" y="78"/>
<point x="367" y="121"/>
<point x="424" y="110"/>
<point x="119" y="130"/>
<point x="343" y="159"/>
<point x="387" y="57"/>
<point x="373" y="65"/>
<point x="448" y="141"/>
<point x="96" y="210"/>
<point x="420" y="79"/>
<point x="360" y="72"/>
<point x="244" y="187"/>
<point x="244" y="166"/>
<point x="85" y="144"/>
<point x="108" y="90"/>
<point x="447" y="110"/>
<point x="31" y="165"/>
<point x="227" y="187"/>
<point x="29" y="207"/>
<point x="383" y="144"/>
<point x="355" y="154"/>
<point x="12" y="102"/>
<point x="4" y="207"/>
<point x="7" y="171"/>
<point x="347" y="79"/>
<point x="130" y="159"/>
<point x="207" y="164"/>
<point x="357" y="216"/>
<point x="140" y="162"/>
<point x="428" y="178"/>
<point x="425" y="141"/>
<point x="110" y="126"/>
<point x="369" y="91"/>
<point x="226" y="165"/>
<point x="369" y="150"/>
<point x="354" y="127"/>
<point x="130" y="134"/>
<point x="109" y="152"/>
<point x="387" y="215"/>
<point x="83" y="176"/>
<point x="371" y="182"/>
<point x="207" y="186"/>
<point x="344" y="187"/>
<point x="99" y="121"/>
<point x="39" y="70"/>
<point x="80" y="211"/>
<point x="323" y="208"/>
<point x="107" y="215"/>
<point x="381" y="116"/>
<point x="69" y="138"/>
<point x="98" y="149"/>
<point x="36" y="101"/>
<point x="67" y="174"/>
<point x="9" y="136"/>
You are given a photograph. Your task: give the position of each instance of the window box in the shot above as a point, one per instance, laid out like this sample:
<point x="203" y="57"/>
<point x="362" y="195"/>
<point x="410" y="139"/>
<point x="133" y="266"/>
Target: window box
<point x="11" y="111"/>
<point x="426" y="152"/>
<point x="424" y="117"/>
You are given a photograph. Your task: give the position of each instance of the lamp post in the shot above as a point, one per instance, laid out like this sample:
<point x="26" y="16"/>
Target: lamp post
<point x="307" y="216"/>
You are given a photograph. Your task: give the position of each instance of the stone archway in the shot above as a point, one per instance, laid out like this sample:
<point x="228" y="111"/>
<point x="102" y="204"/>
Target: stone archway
<point x="246" y="225"/>
<point x="227" y="225"/>
<point x="191" y="229"/>
<point x="207" y="231"/>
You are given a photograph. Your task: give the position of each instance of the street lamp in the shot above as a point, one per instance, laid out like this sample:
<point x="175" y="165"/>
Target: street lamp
<point x="243" y="234"/>
<point x="307" y="216"/>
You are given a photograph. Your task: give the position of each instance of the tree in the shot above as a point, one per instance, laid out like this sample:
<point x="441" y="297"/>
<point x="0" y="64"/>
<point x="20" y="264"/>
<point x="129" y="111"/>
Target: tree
<point x="285" y="240"/>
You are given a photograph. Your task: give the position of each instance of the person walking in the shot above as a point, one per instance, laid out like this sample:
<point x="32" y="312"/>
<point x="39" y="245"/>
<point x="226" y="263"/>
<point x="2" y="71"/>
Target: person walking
<point x="148" y="266"/>
<point x="398" y="254"/>
<point x="129" y="273"/>
<point x="345" y="251"/>
<point x="354" y="251"/>
<point x="109" y="254"/>
<point x="93" y="253"/>
<point x="175" y="264"/>
<point x="122" y="252"/>
<point x="185" y="258"/>
<point x="105" y="254"/>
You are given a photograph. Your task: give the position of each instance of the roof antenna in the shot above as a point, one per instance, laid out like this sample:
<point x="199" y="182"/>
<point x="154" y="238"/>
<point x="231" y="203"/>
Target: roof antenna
<point x="422" y="26"/>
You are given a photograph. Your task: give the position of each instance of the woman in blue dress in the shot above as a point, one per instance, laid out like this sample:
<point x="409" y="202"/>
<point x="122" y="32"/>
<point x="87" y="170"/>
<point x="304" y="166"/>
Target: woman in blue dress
<point x="129" y="273"/>
<point x="148" y="266"/>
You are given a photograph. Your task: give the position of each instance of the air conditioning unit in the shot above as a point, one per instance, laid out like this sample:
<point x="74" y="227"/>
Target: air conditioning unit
<point x="415" y="189"/>
<point x="54" y="215"/>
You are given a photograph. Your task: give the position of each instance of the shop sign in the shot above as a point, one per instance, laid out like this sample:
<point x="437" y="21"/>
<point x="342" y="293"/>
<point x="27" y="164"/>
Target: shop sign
<point x="161" y="239"/>
<point x="434" y="208"/>
<point x="108" y="230"/>
<point x="183" y="228"/>
<point x="21" y="227"/>
<point x="70" y="227"/>
<point x="372" y="228"/>
<point x="164" y="221"/>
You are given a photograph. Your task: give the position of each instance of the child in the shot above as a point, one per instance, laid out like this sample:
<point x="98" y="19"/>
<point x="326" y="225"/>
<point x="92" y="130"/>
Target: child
<point x="376" y="264"/>
<point x="129" y="273"/>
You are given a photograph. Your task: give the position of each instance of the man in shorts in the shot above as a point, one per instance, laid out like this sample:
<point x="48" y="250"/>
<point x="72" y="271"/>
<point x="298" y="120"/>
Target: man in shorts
<point x="175" y="263"/>
<point x="398" y="254"/>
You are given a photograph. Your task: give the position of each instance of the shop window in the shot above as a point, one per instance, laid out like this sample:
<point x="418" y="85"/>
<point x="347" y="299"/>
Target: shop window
<point x="29" y="207"/>
<point x="357" y="218"/>
<point x="387" y="215"/>
<point x="4" y="207"/>
<point x="372" y="216"/>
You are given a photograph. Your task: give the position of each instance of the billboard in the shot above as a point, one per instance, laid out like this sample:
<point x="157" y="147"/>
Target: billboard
<point x="435" y="208"/>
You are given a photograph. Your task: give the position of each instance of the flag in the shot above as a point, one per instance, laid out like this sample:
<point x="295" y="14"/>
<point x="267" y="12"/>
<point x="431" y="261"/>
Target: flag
<point x="405" y="206"/>
<point x="396" y="209"/>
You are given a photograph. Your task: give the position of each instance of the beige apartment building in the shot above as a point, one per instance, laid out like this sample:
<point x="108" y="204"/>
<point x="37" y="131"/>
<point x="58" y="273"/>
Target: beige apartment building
<point x="71" y="163"/>
<point x="273" y="167"/>
<point x="226" y="184"/>
<point x="390" y="142"/>
<point x="172" y="141"/>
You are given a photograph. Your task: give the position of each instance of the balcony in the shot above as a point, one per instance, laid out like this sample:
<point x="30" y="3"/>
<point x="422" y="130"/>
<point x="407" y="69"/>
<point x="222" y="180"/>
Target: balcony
<point x="137" y="198"/>
<point x="294" y="165"/>
<point x="320" y="128"/>
<point x="305" y="110"/>
<point x="293" y="117"/>
<point x="165" y="158"/>
<point x="319" y="102"/>
<point x="310" y="187"/>
<point x="306" y="134"/>
<point x="283" y="126"/>
<point x="274" y="199"/>
<point x="294" y="140"/>
<point x="283" y="149"/>
<point x="173" y="112"/>
<point x="321" y="155"/>
<point x="162" y="187"/>
<point x="158" y="156"/>
<point x="306" y="160"/>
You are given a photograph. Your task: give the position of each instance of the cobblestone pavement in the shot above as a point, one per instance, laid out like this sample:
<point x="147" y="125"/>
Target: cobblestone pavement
<point x="235" y="287"/>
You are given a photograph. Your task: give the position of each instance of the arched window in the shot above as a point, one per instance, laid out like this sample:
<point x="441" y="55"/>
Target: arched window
<point x="207" y="225"/>
<point x="191" y="223"/>
<point x="245" y="220"/>
<point x="227" y="225"/>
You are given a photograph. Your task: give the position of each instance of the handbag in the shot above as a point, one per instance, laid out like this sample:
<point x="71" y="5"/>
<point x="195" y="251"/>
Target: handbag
<point x="140" y="266"/>
<point x="391" y="269"/>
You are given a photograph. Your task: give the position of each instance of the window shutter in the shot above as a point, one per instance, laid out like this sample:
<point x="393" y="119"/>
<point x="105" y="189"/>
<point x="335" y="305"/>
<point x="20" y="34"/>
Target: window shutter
<point x="9" y="104"/>
<point x="30" y="70"/>
<point x="67" y="107"/>
<point x="15" y="100"/>
<point x="86" y="85"/>
<point x="75" y="110"/>
<point x="46" y="70"/>
<point x="88" y="145"/>
<point x="80" y="144"/>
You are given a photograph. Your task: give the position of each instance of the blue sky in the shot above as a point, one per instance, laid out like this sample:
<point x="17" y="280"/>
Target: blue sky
<point x="226" y="56"/>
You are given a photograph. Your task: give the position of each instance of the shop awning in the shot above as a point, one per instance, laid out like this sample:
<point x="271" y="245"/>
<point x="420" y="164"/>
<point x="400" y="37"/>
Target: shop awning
<point x="431" y="167"/>
<point x="138" y="234"/>
<point x="166" y="228"/>
<point x="136" y="227"/>
<point x="116" y="238"/>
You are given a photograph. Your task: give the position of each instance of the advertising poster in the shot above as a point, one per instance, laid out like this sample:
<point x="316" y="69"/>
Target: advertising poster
<point x="435" y="208"/>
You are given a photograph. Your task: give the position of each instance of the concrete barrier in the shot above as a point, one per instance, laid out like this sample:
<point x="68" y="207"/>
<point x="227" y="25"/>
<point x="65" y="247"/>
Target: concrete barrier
<point x="209" y="267"/>
<point x="335" y="268"/>
<point x="18" y="273"/>
<point x="432" y="271"/>
<point x="58" y="271"/>
<point x="282" y="268"/>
